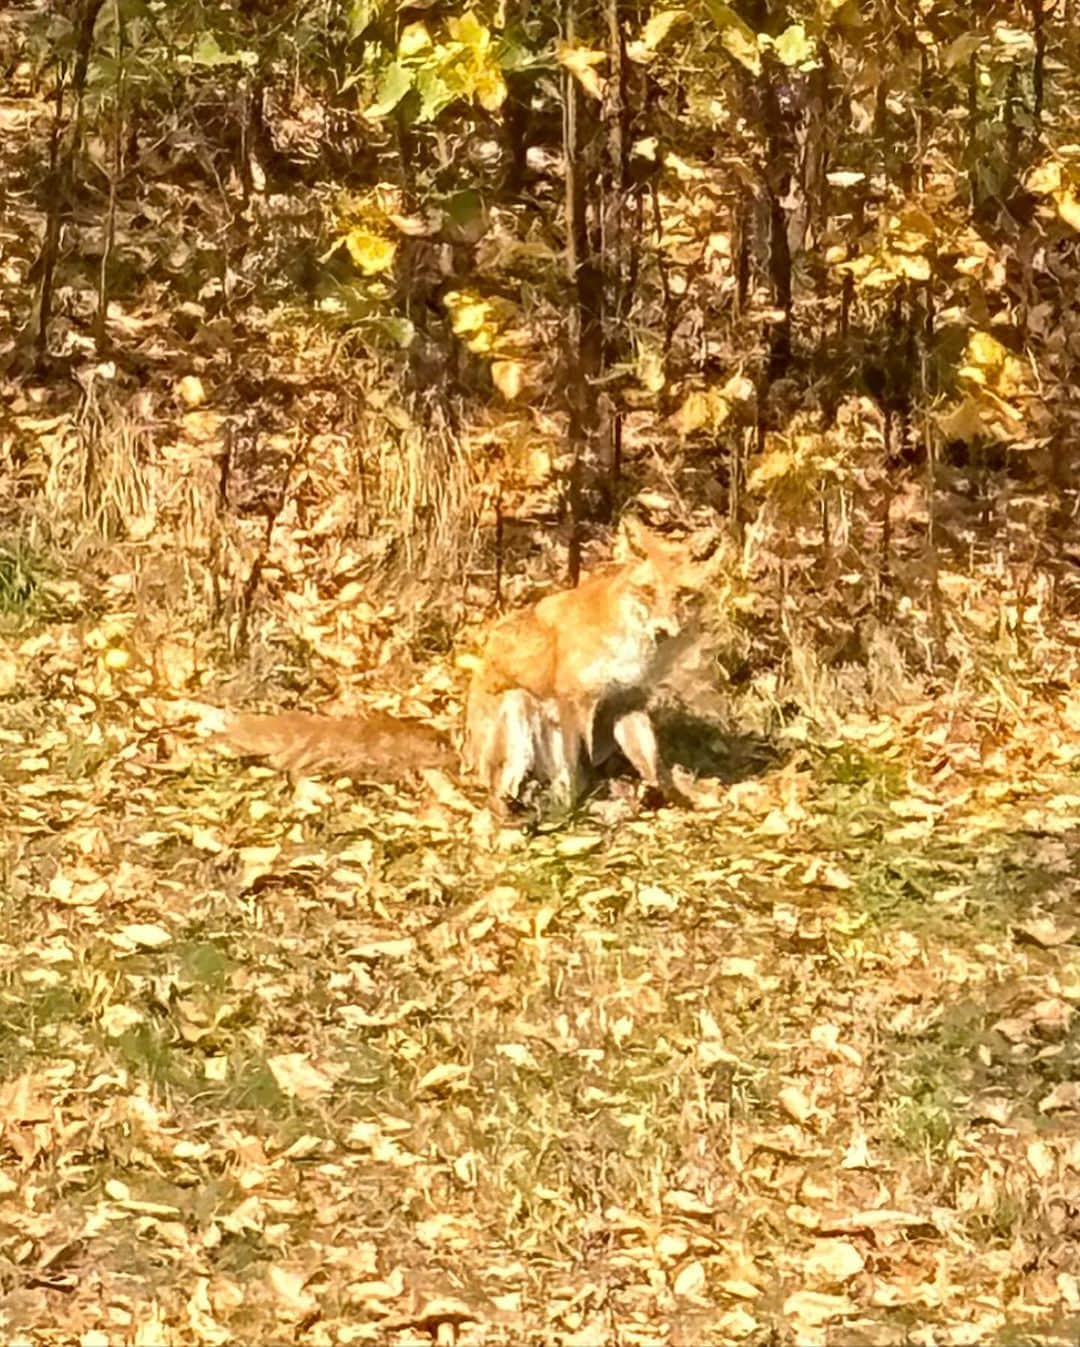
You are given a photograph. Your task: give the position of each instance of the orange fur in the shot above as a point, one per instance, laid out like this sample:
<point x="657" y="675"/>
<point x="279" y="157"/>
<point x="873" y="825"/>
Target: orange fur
<point x="546" y="671"/>
<point x="373" y="747"/>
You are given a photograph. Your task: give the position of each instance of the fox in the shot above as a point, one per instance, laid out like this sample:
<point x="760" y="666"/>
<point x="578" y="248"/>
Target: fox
<point x="564" y="682"/>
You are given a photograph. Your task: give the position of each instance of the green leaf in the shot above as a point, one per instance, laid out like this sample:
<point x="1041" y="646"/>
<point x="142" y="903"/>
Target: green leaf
<point x="794" y="47"/>
<point x="207" y="52"/>
<point x="466" y="218"/>
<point x="512" y="55"/>
<point x="363" y="13"/>
<point x="394" y="85"/>
<point x="400" y="330"/>
<point x="131" y="10"/>
<point x="435" y="94"/>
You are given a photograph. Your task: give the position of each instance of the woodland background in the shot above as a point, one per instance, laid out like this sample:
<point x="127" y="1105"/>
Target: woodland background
<point x="327" y="330"/>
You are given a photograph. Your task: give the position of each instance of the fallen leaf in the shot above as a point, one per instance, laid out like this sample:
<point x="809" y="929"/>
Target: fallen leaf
<point x="190" y="391"/>
<point x="689" y="1280"/>
<point x="508" y="376"/>
<point x="795" y="1103"/>
<point x="118" y="1019"/>
<point x="679" y="1199"/>
<point x="1063" y="1096"/>
<point x="816" y="1307"/>
<point x="141" y="935"/>
<point x="1045" y="932"/>
<point x="298" y="1077"/>
<point x="581" y="63"/>
<point x="440" y="1077"/>
<point x="652" y="898"/>
<point x="832" y="1261"/>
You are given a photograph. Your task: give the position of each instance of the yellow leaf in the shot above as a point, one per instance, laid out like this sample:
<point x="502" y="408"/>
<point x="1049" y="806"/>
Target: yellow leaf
<point x="794" y="47"/>
<point x="508" y="377"/>
<point x="490" y="88"/>
<point x="650" y="370"/>
<point x="694" y="413"/>
<point x="774" y="464"/>
<point x="414" y="39"/>
<point x="116" y="658"/>
<point x="581" y="63"/>
<point x="1012" y="377"/>
<point x="469" y="31"/>
<point x="964" y="422"/>
<point x="1044" y="179"/>
<point x="1068" y="205"/>
<point x="658" y="27"/>
<point x="370" y="252"/>
<point x="915" y="268"/>
<point x="468" y="312"/>
<point x="985" y="351"/>
<point x="472" y="318"/>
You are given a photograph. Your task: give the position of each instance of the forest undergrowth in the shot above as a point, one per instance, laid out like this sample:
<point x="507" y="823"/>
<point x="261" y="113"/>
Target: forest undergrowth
<point x="329" y="1061"/>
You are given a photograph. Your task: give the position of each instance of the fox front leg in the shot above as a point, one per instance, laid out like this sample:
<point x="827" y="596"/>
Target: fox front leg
<point x="636" y="736"/>
<point x="566" y="746"/>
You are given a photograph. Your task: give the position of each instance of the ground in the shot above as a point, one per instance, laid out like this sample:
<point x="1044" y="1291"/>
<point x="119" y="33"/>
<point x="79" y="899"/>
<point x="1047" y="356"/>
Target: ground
<point x="325" y="1063"/>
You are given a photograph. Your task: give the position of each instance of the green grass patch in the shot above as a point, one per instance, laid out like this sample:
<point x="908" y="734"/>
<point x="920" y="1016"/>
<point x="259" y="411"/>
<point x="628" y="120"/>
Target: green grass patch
<point x="35" y="1021"/>
<point x="20" y="580"/>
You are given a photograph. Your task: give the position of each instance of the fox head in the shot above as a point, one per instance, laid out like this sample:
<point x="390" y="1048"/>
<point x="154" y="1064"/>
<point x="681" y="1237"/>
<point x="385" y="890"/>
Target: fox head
<point x="663" y="578"/>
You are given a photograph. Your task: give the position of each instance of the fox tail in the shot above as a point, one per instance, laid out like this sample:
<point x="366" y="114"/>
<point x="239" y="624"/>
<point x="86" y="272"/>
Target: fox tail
<point x="375" y="747"/>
